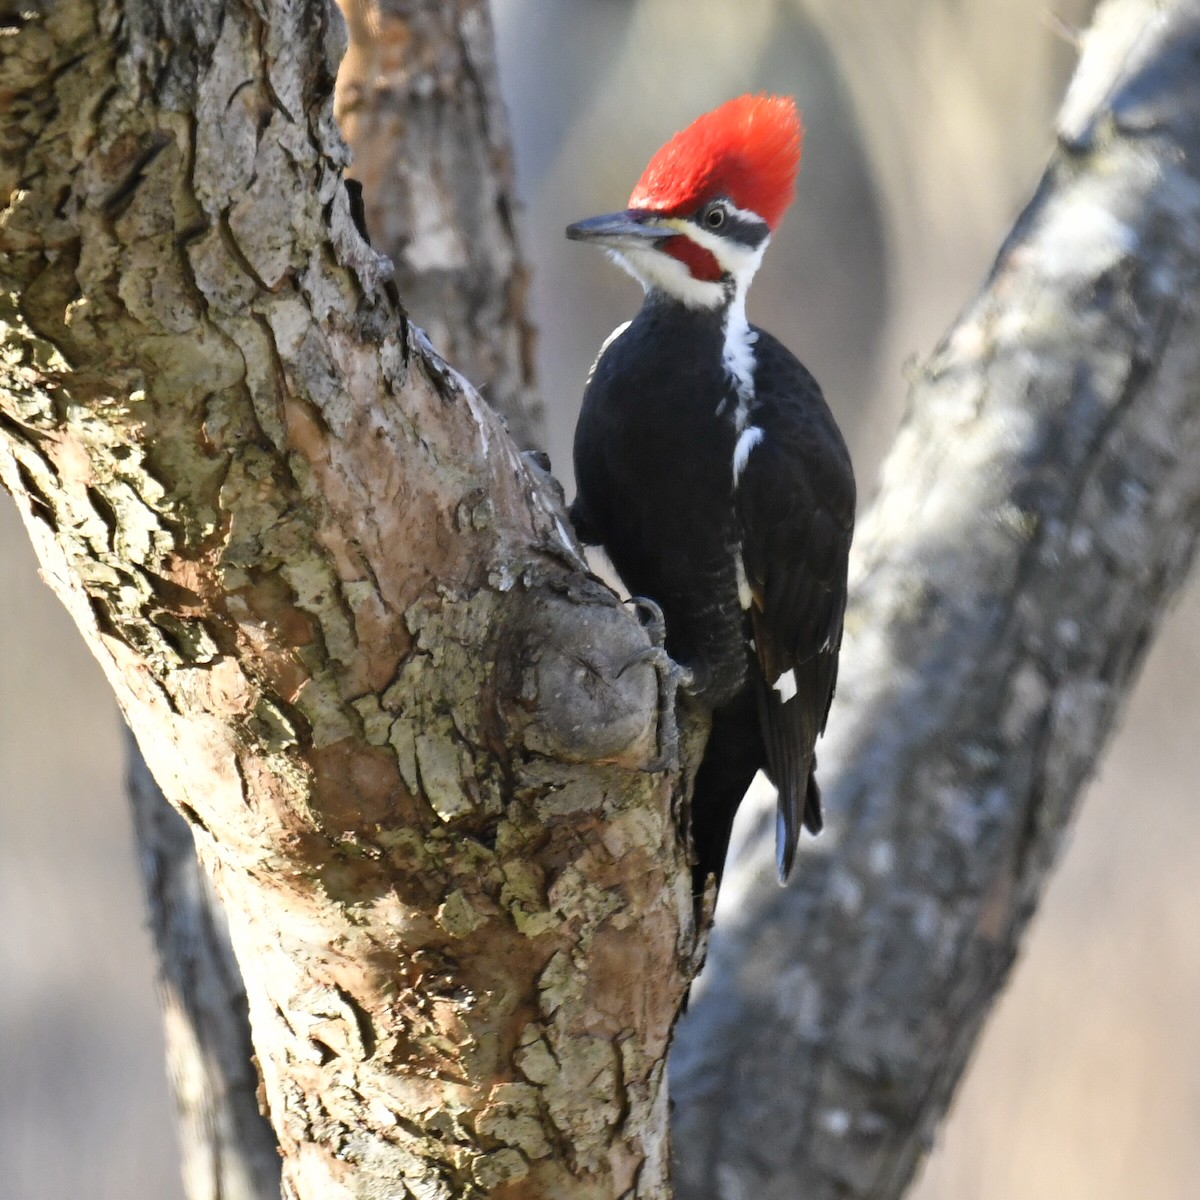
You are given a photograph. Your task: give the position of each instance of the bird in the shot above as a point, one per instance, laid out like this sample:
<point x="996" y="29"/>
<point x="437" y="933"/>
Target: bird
<point x="712" y="473"/>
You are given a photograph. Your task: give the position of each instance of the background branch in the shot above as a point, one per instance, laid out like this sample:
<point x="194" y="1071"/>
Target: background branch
<point x="227" y="1148"/>
<point x="419" y="102"/>
<point x="1037" y="514"/>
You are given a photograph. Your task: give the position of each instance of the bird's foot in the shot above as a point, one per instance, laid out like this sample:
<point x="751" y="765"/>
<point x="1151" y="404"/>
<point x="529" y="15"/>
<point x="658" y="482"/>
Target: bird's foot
<point x="651" y="618"/>
<point x="671" y="677"/>
<point x="694" y="680"/>
<point x="538" y="462"/>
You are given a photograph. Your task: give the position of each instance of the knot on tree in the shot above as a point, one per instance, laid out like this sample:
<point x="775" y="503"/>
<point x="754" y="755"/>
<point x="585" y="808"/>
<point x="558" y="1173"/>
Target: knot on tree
<point x="580" y="694"/>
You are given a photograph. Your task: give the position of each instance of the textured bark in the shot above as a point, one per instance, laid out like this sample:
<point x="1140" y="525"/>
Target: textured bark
<point x="351" y="633"/>
<point x="420" y="105"/>
<point x="227" y="1148"/>
<point x="362" y="658"/>
<point x="1037" y="514"/>
<point x="427" y="129"/>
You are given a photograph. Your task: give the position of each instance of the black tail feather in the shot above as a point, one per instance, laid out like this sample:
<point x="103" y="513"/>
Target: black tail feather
<point x="790" y="764"/>
<point x="733" y="755"/>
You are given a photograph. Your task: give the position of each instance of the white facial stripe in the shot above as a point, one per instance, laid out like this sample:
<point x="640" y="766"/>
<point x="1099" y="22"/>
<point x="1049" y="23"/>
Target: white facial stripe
<point x="608" y="341"/>
<point x="737" y="356"/>
<point x="741" y="263"/>
<point x="736" y="260"/>
<point x="744" y="213"/>
<point x="654" y="269"/>
<point x="612" y="337"/>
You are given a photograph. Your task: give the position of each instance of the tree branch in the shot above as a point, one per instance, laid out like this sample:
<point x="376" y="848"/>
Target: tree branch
<point x="1038" y="513"/>
<point x="420" y="105"/>
<point x="228" y="1149"/>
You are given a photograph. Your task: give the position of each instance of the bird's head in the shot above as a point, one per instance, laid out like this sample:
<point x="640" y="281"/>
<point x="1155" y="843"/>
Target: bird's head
<point x="707" y="203"/>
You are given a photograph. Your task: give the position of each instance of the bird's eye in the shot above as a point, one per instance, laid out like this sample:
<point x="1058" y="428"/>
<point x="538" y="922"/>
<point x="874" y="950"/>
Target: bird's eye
<point x="714" y="218"/>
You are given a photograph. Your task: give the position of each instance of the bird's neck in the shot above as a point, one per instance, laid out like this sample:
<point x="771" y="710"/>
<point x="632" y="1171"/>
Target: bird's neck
<point x="724" y="327"/>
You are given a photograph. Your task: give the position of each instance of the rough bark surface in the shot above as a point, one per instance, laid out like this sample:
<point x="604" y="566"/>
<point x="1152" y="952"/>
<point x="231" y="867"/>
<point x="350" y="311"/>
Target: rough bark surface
<point x="1037" y="514"/>
<point x="420" y="105"/>
<point x="227" y="1148"/>
<point x="347" y="625"/>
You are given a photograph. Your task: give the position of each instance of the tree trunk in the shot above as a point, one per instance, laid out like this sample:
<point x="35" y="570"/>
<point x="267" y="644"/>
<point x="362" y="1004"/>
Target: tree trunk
<point x="1036" y="516"/>
<point x="348" y="626"/>
<point x="420" y="107"/>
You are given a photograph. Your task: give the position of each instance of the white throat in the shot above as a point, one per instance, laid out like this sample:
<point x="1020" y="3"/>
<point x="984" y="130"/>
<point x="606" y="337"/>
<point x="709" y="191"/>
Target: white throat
<point x="658" y="271"/>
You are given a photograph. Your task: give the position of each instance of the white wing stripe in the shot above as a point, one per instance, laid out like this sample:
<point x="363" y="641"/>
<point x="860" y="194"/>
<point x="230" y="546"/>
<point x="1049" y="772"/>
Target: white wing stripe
<point x="785" y="685"/>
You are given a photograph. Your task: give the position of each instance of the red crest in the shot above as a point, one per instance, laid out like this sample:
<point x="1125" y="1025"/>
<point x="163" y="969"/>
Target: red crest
<point x="748" y="149"/>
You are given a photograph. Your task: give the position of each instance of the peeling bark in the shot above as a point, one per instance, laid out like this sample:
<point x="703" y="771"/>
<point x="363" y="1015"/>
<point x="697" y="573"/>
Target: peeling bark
<point x="1039" y="511"/>
<point x="348" y="626"/>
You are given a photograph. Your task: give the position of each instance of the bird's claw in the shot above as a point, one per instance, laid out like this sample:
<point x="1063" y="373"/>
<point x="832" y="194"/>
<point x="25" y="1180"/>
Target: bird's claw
<point x="671" y="677"/>
<point x="651" y="618"/>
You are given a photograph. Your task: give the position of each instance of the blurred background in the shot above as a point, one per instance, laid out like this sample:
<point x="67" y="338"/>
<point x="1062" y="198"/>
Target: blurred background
<point x="928" y="122"/>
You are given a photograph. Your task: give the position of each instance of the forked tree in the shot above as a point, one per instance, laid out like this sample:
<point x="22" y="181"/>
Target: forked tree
<point x="349" y="626"/>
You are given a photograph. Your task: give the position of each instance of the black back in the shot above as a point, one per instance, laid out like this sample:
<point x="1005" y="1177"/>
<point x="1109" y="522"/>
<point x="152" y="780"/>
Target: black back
<point x="653" y="469"/>
<point x="654" y="452"/>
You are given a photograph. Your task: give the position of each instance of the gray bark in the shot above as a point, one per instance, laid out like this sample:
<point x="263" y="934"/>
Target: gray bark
<point x="1038" y="512"/>
<point x="227" y="1148"/>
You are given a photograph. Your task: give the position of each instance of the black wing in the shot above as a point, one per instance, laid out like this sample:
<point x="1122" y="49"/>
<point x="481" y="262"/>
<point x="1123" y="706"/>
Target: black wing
<point x="795" y="501"/>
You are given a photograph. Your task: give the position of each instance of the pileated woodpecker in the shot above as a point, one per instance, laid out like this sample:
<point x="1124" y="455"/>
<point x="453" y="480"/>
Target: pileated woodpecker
<point x="712" y="472"/>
